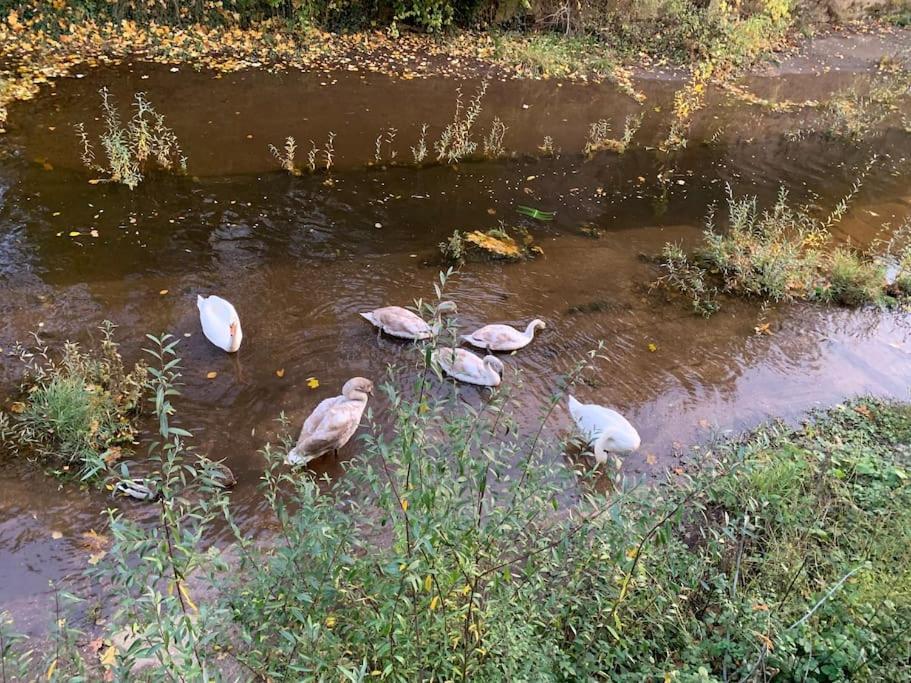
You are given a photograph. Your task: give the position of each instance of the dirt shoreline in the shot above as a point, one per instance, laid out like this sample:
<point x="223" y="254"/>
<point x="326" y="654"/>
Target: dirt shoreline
<point x="32" y="57"/>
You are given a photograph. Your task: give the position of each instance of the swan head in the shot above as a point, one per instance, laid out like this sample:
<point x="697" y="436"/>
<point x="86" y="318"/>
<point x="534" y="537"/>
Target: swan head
<point x="536" y="324"/>
<point x="447" y="308"/>
<point x="235" y="334"/>
<point x="357" y="389"/>
<point x="493" y="363"/>
<point x="615" y="442"/>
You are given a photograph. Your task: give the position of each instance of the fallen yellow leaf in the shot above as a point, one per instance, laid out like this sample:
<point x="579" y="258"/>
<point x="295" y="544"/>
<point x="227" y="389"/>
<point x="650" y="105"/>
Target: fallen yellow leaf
<point x="312" y="382"/>
<point x="108" y="656"/>
<point x="95" y="558"/>
<point x="434" y="602"/>
<point x="404" y="503"/>
<point x="163" y="292"/>
<point x="211" y="375"/>
<point x="17" y="407"/>
<point x="56" y="534"/>
<point x="75" y="233"/>
<point x="280" y="373"/>
<point x="652" y="347"/>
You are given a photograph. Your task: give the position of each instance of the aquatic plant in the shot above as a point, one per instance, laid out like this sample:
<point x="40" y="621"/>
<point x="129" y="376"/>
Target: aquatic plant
<point x="599" y="138"/>
<point x="129" y="148"/>
<point x="855" y="113"/>
<point x="77" y="412"/>
<point x="493" y="142"/>
<point x="285" y="157"/>
<point x="420" y="152"/>
<point x="688" y="278"/>
<point x="455" y="142"/>
<point x="385" y="140"/>
<point x="547" y="146"/>
<point x="780" y="254"/>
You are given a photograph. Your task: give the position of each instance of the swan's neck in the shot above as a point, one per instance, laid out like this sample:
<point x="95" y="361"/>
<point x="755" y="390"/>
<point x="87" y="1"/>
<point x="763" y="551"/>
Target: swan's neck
<point x="530" y="329"/>
<point x="355" y="395"/>
<point x="491" y="372"/>
<point x="600" y="448"/>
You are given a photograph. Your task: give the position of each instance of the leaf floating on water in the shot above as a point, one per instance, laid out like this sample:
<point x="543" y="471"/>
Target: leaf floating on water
<point x="95" y="181"/>
<point x="211" y="375"/>
<point x="652" y="347"/>
<point x="75" y="233"/>
<point x="95" y="558"/>
<point x="280" y="373"/>
<point x="93" y="233"/>
<point x="312" y="382"/>
<point x="763" y="329"/>
<point x="163" y="292"/>
<point x="56" y="535"/>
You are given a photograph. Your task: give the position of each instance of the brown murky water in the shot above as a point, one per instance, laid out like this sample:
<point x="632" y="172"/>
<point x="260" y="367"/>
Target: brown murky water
<point x="299" y="257"/>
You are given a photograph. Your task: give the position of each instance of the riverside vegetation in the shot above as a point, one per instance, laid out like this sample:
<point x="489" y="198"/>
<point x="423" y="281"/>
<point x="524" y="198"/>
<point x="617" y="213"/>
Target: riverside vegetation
<point x="471" y="552"/>
<point x="785" y="253"/>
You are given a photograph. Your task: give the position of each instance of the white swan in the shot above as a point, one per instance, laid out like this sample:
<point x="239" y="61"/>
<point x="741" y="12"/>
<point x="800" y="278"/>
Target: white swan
<point x="503" y="337"/>
<point x="465" y="366"/>
<point x="333" y="423"/>
<point x="400" y="322"/>
<point x="220" y="322"/>
<point x="606" y="429"/>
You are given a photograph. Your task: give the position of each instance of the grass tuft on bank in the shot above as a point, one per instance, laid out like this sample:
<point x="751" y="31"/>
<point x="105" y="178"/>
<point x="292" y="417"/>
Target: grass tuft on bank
<point x="76" y="410"/>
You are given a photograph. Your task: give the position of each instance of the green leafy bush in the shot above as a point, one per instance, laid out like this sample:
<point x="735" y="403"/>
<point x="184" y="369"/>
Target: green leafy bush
<point x="459" y="547"/>
<point x="77" y="412"/>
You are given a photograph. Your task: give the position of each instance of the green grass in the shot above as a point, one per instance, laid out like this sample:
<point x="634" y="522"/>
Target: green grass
<point x="76" y="413"/>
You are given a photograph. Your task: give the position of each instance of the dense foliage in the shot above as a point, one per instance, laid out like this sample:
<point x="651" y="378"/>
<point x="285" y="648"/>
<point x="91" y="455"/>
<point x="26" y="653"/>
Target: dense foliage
<point x="77" y="411"/>
<point x="458" y="546"/>
<point x="679" y="25"/>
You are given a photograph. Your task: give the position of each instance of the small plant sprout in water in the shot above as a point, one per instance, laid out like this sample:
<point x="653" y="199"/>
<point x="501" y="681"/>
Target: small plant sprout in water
<point x="420" y="152"/>
<point x="493" y="142"/>
<point x="128" y="148"/>
<point x="383" y="142"/>
<point x="547" y="147"/>
<point x="455" y="143"/>
<point x="599" y="139"/>
<point x="329" y="150"/>
<point x="285" y="157"/>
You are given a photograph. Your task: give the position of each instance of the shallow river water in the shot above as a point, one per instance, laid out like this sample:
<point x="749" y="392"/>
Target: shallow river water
<point x="300" y="256"/>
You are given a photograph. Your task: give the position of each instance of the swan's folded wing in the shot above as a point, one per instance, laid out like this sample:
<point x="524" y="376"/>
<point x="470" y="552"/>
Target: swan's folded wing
<point x="337" y="425"/>
<point x="314" y="421"/>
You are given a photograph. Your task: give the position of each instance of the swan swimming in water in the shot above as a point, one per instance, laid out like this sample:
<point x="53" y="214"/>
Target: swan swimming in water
<point x="503" y="337"/>
<point x="404" y="324"/>
<point x="606" y="429"/>
<point x="220" y="322"/>
<point x="333" y="423"/>
<point x="467" y="367"/>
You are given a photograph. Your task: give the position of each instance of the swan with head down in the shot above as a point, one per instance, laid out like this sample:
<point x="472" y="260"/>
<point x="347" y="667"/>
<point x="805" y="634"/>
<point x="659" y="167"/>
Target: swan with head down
<point x="404" y="324"/>
<point x="333" y="423"/>
<point x="607" y="430"/>
<point x="467" y="367"/>
<point x="220" y="322"/>
<point x="498" y="337"/>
